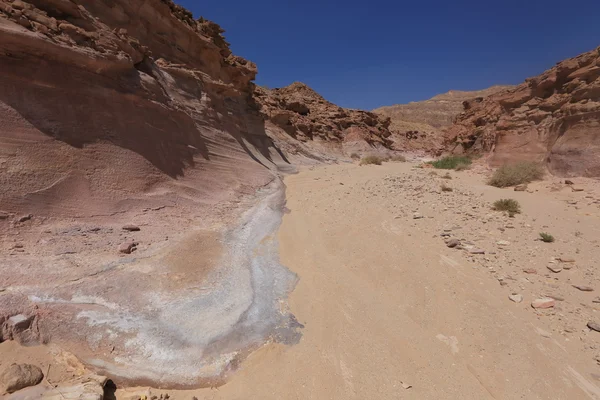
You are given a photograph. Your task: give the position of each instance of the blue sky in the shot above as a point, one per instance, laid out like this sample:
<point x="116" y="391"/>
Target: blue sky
<point x="366" y="54"/>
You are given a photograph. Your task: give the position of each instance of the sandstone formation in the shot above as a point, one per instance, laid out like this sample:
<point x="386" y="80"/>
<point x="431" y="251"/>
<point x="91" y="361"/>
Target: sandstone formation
<point x="132" y="144"/>
<point x="552" y="118"/>
<point x="307" y="117"/>
<point x="19" y="376"/>
<point x="420" y="124"/>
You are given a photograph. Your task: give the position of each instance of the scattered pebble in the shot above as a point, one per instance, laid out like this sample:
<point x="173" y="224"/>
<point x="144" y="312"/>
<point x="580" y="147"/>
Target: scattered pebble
<point x="593" y="326"/>
<point x="554" y="268"/>
<point x="584" y="288"/>
<point x="545" y="302"/>
<point x="131" y="228"/>
<point x="517" y="298"/>
<point x="476" y="251"/>
<point x="25" y="218"/>
<point x="127" y="247"/>
<point x="452" y="243"/>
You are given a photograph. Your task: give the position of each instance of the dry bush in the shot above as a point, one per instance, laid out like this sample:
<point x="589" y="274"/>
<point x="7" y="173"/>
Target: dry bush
<point x="546" y="237"/>
<point x="451" y="162"/>
<point x="367" y="160"/>
<point x="398" y="158"/>
<point x="510" y="205"/>
<point x="516" y="174"/>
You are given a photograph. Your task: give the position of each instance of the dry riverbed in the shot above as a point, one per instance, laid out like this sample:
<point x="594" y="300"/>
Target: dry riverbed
<point x="390" y="311"/>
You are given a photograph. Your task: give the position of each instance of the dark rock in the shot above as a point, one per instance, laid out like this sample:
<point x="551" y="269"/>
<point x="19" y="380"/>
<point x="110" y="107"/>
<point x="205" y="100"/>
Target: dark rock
<point x="520" y="188"/>
<point x="568" y="182"/>
<point x="25" y="218"/>
<point x="131" y="228"/>
<point x="593" y="326"/>
<point x="3" y="215"/>
<point x="452" y="243"/>
<point x="19" y="376"/>
<point x="584" y="288"/>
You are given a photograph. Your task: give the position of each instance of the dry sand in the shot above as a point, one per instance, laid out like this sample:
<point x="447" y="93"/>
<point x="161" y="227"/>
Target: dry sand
<point x="386" y="305"/>
<point x="389" y="311"/>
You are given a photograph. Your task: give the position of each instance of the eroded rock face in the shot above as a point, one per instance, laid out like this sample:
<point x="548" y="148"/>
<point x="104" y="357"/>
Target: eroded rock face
<point x="19" y="376"/>
<point x="307" y="116"/>
<point x="552" y="118"/>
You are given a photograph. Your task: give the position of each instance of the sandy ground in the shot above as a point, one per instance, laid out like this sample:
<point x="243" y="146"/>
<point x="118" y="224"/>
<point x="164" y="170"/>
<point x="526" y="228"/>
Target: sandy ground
<point x="391" y="312"/>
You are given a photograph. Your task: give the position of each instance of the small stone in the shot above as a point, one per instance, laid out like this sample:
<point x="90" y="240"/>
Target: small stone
<point x="568" y="182"/>
<point x="543" y="303"/>
<point x="530" y="271"/>
<point x="127" y="247"/>
<point x="24" y="218"/>
<point x="476" y="251"/>
<point x="566" y="259"/>
<point x="452" y="243"/>
<point x="593" y="326"/>
<point x="417" y="216"/>
<point x="584" y="288"/>
<point x="19" y="376"/>
<point x="517" y="298"/>
<point x="131" y="228"/>
<point x="574" y="189"/>
<point x="3" y="215"/>
<point x="596" y="300"/>
<point x="503" y="243"/>
<point x="554" y="269"/>
<point x="520" y="188"/>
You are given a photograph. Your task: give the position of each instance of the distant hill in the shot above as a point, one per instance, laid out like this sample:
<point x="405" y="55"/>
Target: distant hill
<point x="433" y="114"/>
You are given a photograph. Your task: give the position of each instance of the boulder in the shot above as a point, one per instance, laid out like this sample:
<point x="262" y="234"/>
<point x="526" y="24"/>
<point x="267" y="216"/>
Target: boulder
<point x="19" y="376"/>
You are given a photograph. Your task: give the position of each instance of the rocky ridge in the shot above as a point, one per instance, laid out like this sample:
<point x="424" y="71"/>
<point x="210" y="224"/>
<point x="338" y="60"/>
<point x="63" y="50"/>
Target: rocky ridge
<point x="307" y="117"/>
<point x="420" y="124"/>
<point x="552" y="118"/>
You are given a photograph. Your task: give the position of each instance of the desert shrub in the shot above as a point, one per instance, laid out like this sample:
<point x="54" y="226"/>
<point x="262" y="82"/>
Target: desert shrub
<point x="510" y="205"/>
<point x="451" y="162"/>
<point x="375" y="160"/>
<point x="546" y="237"/>
<point x="398" y="158"/>
<point x="462" y="167"/>
<point x="355" y="156"/>
<point x="516" y="174"/>
<point x="446" y="188"/>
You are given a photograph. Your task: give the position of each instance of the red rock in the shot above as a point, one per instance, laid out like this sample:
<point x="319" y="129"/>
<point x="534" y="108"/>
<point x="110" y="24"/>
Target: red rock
<point x="543" y="303"/>
<point x="127" y="247"/>
<point x="519" y="123"/>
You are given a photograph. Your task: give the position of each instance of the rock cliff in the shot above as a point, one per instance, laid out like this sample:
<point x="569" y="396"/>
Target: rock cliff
<point x="307" y="117"/>
<point x="420" y="124"/>
<point x="552" y="118"/>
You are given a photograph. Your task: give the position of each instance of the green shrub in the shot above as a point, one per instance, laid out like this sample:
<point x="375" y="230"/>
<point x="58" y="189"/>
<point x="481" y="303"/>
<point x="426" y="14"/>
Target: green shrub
<point x="375" y="160"/>
<point x="516" y="174"/>
<point x="546" y="237"/>
<point x="451" y="162"/>
<point x="510" y="205"/>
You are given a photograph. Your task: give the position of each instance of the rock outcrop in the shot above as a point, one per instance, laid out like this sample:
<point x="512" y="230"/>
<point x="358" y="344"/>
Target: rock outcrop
<point x="552" y="118"/>
<point x="307" y="117"/>
<point x="419" y="125"/>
